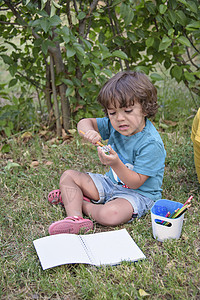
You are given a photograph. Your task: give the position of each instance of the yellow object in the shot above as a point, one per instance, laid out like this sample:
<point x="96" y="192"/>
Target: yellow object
<point x="195" y="136"/>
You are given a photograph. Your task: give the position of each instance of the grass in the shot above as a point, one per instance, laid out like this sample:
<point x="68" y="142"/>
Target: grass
<point x="171" y="268"/>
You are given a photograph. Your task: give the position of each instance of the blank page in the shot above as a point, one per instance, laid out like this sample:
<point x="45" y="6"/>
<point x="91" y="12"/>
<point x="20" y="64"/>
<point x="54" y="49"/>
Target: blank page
<point x="113" y="247"/>
<point x="60" y="249"/>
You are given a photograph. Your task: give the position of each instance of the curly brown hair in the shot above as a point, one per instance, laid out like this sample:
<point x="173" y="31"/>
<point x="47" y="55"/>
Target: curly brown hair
<point x="129" y="87"/>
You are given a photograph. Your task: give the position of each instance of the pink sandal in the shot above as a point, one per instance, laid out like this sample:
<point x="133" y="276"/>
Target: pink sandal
<point x="70" y="225"/>
<point x="55" y="197"/>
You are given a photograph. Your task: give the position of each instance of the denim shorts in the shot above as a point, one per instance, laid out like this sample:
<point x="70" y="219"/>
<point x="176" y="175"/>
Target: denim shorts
<point x="109" y="191"/>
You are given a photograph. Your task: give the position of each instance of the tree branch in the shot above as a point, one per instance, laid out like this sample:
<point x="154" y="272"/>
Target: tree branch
<point x="191" y="42"/>
<point x="69" y="15"/>
<point x="190" y="59"/>
<point x="93" y="6"/>
<point x="14" y="11"/>
<point x="33" y="82"/>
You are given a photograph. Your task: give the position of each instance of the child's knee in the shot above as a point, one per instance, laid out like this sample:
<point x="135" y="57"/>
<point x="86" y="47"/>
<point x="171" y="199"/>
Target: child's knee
<point x="109" y="216"/>
<point x="66" y="176"/>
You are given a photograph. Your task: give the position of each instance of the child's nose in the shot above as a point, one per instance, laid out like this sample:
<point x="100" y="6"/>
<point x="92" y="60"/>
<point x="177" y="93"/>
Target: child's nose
<point x="120" y="116"/>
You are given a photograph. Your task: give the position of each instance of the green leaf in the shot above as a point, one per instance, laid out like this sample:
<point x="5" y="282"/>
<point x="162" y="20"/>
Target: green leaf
<point x="69" y="91"/>
<point x="181" y="17"/>
<point x="44" y="24"/>
<point x="183" y="1"/>
<point x="81" y="15"/>
<point x="172" y="16"/>
<point x="76" y="81"/>
<point x="82" y="92"/>
<point x="6" y="59"/>
<point x="131" y="36"/>
<point x="54" y="21"/>
<point x="156" y="77"/>
<point x="65" y="31"/>
<point x="192" y="6"/>
<point x="106" y="55"/>
<point x="129" y="16"/>
<point x="7" y="131"/>
<point x="70" y="51"/>
<point x="103" y="48"/>
<point x="87" y="44"/>
<point x="120" y="54"/>
<point x="149" y="42"/>
<point x="53" y="11"/>
<point x="101" y="37"/>
<point x="107" y="72"/>
<point x="38" y="42"/>
<point x="66" y="39"/>
<point x="189" y="76"/>
<point x="46" y="44"/>
<point x="11" y="165"/>
<point x="143" y="69"/>
<point x="176" y="72"/>
<point x="184" y="41"/>
<point x="151" y="7"/>
<point x="12" y="82"/>
<point x="123" y="9"/>
<point x="13" y="69"/>
<point x="165" y="43"/>
<point x="5" y="148"/>
<point x="197" y="73"/>
<point x="43" y="2"/>
<point x="85" y="61"/>
<point x="67" y="81"/>
<point x="170" y="31"/>
<point x="193" y="26"/>
<point x="56" y="4"/>
<point x="162" y="8"/>
<point x="79" y="49"/>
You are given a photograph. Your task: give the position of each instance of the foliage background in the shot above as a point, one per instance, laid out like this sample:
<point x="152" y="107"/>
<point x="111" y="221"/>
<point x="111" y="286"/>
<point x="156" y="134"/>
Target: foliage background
<point x="60" y="53"/>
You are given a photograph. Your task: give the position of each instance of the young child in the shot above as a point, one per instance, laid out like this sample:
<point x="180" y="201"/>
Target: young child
<point x="136" y="159"/>
<point x="195" y="136"/>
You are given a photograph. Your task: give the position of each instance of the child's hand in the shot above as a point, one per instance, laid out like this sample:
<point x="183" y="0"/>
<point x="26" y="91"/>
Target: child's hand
<point x="108" y="159"/>
<point x="92" y="136"/>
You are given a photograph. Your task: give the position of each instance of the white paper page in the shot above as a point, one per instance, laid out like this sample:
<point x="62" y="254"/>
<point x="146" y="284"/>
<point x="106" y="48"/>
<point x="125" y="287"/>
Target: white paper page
<point x="112" y="247"/>
<point x="60" y="249"/>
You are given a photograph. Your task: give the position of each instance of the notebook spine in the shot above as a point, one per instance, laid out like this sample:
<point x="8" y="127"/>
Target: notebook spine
<point x="87" y="251"/>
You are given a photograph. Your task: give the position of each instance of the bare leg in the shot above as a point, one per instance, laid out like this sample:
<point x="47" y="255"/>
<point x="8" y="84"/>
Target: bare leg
<point x="73" y="185"/>
<point x="112" y="213"/>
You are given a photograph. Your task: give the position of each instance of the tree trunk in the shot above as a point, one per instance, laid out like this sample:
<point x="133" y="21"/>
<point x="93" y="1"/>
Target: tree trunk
<point x="48" y="89"/>
<point x="65" y="107"/>
<point x="56" y="106"/>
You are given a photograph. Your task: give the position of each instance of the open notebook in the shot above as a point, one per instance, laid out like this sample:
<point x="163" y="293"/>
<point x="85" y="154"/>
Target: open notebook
<point x="104" y="248"/>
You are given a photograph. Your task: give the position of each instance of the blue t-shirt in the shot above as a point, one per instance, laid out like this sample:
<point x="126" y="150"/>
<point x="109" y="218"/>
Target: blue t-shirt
<point x="142" y="152"/>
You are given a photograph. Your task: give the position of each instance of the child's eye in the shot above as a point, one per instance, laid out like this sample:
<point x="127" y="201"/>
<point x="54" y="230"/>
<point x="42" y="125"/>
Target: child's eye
<point x="128" y="111"/>
<point x="112" y="113"/>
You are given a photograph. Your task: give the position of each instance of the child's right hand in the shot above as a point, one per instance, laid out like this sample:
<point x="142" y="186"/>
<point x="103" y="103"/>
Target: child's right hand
<point x="110" y="159"/>
<point x="92" y="136"/>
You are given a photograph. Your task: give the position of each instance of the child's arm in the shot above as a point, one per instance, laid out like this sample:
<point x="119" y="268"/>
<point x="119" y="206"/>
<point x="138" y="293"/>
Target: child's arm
<point x="130" y="178"/>
<point x="89" y="126"/>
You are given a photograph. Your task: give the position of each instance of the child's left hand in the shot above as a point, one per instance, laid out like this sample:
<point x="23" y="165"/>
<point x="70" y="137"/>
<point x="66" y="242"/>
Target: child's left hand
<point x="108" y="159"/>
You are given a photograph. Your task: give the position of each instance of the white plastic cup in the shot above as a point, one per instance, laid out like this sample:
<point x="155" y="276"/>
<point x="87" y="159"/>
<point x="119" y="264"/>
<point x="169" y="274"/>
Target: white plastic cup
<point x="158" y="213"/>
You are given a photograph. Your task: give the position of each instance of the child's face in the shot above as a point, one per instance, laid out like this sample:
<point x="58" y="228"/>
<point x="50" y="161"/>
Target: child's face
<point x="127" y="120"/>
